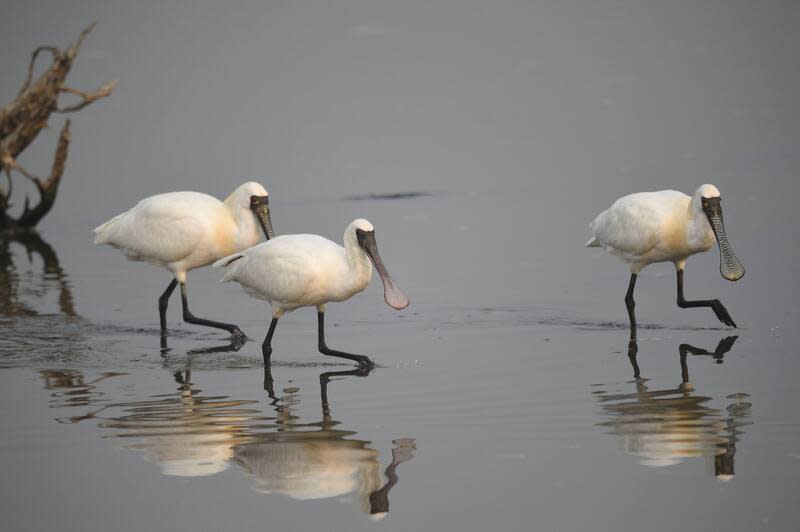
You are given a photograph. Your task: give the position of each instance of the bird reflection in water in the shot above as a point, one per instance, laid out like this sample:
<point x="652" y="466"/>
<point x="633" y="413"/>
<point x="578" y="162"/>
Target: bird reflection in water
<point x="188" y="433"/>
<point x="318" y="460"/>
<point x="665" y="427"/>
<point x="192" y="434"/>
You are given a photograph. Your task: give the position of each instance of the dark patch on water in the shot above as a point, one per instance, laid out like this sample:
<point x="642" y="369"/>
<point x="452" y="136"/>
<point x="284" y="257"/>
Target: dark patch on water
<point x="388" y="196"/>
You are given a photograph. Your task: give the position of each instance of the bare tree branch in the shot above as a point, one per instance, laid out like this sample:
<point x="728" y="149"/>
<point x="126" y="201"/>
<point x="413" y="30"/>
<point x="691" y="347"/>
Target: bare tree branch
<point x="72" y="51"/>
<point x="12" y="164"/>
<point x="4" y="197"/>
<point x="23" y="119"/>
<point x="49" y="187"/>
<point x="88" y="97"/>
<point x="52" y="49"/>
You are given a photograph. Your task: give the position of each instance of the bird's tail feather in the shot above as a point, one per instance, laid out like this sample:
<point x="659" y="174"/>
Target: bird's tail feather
<point x="226" y="264"/>
<point x="103" y="232"/>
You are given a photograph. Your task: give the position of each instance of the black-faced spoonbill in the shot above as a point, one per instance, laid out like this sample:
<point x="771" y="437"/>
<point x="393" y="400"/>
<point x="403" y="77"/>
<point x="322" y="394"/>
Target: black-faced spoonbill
<point x="293" y="271"/>
<point x="181" y="231"/>
<point x="666" y="226"/>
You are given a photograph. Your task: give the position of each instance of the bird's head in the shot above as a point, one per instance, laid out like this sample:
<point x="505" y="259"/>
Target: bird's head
<point x="253" y="196"/>
<point x="707" y="199"/>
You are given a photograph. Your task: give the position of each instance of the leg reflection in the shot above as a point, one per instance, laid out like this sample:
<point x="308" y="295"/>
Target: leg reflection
<point x="317" y="458"/>
<point x="326" y="377"/>
<point x="633" y="349"/>
<point x="722" y="348"/>
<point x="724" y="345"/>
<point x="663" y="426"/>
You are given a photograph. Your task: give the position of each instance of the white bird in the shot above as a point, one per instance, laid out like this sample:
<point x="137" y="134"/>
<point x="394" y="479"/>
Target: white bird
<point x="293" y="271"/>
<point x="666" y="226"/>
<point x="181" y="231"/>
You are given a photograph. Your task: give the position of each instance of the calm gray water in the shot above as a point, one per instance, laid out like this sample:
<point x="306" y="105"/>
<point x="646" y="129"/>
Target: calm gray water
<point x="504" y="396"/>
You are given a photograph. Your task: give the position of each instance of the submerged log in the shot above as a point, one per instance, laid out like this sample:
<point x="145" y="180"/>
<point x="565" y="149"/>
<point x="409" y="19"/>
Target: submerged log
<point x="22" y="120"/>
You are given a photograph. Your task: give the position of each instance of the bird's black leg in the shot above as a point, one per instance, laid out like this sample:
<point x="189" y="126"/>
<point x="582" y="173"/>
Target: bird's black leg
<point x="716" y="306"/>
<point x="266" y="347"/>
<point x="162" y="304"/>
<point x="361" y="359"/>
<point x="631" y="304"/>
<point x="188" y="317"/>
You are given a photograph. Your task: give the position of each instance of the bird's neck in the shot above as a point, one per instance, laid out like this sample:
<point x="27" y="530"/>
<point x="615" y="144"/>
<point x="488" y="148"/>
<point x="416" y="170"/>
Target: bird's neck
<point x="699" y="236"/>
<point x="247" y="230"/>
<point x="357" y="261"/>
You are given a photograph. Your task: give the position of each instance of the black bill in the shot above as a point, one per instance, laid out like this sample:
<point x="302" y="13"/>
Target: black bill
<point x="729" y="266"/>
<point x="394" y="297"/>
<point x="260" y="207"/>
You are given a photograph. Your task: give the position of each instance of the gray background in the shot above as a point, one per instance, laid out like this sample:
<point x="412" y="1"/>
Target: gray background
<point x="523" y="120"/>
<point x="543" y="112"/>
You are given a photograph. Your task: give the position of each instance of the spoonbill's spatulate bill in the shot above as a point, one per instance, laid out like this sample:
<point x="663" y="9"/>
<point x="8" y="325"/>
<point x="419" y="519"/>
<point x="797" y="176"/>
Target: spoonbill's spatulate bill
<point x="666" y="226"/>
<point x="293" y="271"/>
<point x="181" y="231"/>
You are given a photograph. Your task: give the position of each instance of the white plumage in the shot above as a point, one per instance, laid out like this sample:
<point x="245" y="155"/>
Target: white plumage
<point x="666" y="226"/>
<point x="293" y="271"/>
<point x="648" y="227"/>
<point x="181" y="231"/>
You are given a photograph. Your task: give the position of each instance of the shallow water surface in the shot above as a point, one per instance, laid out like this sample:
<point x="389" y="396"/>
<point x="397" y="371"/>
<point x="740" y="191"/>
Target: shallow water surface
<point x="480" y="140"/>
<point x="477" y="415"/>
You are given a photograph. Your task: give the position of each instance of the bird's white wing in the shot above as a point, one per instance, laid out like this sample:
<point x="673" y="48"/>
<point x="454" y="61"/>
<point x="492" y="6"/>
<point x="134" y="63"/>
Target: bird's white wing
<point x="630" y="225"/>
<point x="165" y="228"/>
<point x="282" y="269"/>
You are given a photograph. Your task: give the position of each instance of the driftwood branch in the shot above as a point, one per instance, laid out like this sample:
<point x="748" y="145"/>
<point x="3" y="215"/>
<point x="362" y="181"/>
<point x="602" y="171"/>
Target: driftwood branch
<point x="49" y="187"/>
<point x="22" y="120"/>
<point x="87" y="97"/>
<point x="52" y="49"/>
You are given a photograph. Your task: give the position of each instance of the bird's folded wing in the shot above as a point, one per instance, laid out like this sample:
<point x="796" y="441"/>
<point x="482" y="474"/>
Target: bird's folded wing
<point x="268" y="273"/>
<point x="627" y="226"/>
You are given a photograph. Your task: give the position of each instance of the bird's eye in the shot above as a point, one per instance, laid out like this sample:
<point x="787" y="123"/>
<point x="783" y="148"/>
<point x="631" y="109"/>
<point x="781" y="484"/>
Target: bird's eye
<point x="253" y="200"/>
